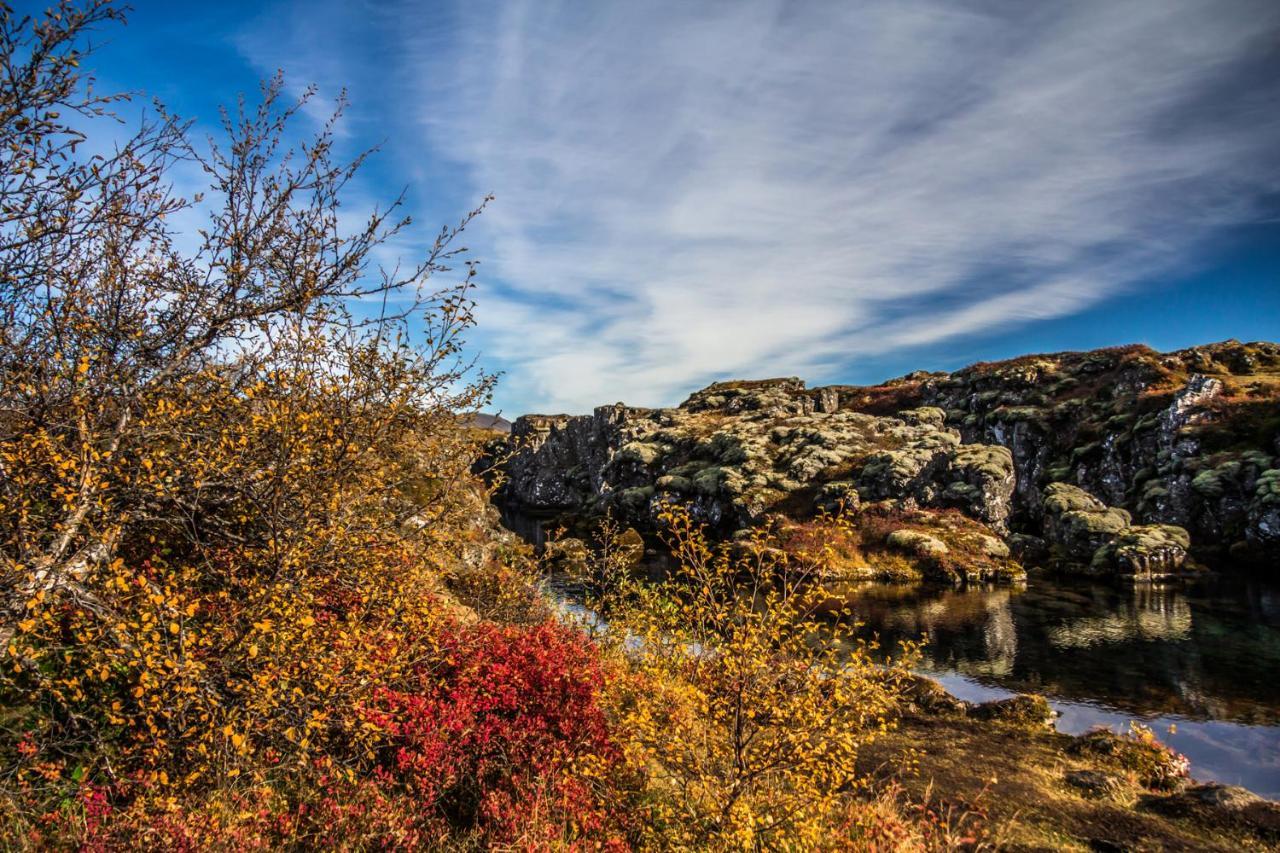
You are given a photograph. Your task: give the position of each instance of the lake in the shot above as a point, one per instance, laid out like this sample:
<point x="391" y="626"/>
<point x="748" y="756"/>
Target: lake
<point x="1199" y="662"/>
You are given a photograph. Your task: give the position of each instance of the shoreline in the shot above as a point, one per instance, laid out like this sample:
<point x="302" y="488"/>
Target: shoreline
<point x="1037" y="786"/>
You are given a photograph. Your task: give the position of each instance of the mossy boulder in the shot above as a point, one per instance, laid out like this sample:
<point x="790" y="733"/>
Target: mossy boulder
<point x="925" y="415"/>
<point x="1077" y="524"/>
<point x="640" y="452"/>
<point x="1146" y="550"/>
<point x="674" y="483"/>
<point x="1027" y="710"/>
<point x="838" y="496"/>
<point x="1061" y="498"/>
<point x="917" y="543"/>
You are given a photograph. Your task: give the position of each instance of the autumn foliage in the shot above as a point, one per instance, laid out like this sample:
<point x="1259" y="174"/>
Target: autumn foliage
<point x="248" y="598"/>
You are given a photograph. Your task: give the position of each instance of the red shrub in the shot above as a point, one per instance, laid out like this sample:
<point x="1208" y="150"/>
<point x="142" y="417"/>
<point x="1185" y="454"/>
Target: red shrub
<point x="504" y="733"/>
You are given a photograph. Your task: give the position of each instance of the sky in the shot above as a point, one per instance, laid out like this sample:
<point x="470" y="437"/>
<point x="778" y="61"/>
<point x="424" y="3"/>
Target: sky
<point x="693" y="191"/>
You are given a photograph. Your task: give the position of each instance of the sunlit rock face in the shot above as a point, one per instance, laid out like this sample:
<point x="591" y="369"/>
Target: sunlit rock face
<point x="1116" y="461"/>
<point x="737" y="451"/>
<point x="1188" y="438"/>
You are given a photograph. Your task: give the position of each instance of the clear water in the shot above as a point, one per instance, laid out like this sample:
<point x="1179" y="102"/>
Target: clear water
<point x="1198" y="662"/>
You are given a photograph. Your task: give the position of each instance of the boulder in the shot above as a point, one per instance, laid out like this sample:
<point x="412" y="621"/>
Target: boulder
<point x="1026" y="710"/>
<point x="924" y="695"/>
<point x="1149" y="762"/>
<point x="917" y="544"/>
<point x="1077" y="524"/>
<point x="1095" y="783"/>
<point x="1145" y="551"/>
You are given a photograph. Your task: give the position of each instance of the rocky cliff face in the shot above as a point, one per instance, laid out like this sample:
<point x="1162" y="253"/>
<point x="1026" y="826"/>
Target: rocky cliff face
<point x="737" y="451"/>
<point x="1188" y="438"/>
<point x="1150" y="443"/>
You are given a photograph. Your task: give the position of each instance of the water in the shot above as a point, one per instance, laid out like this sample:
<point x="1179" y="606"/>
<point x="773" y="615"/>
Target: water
<point x="1199" y="663"/>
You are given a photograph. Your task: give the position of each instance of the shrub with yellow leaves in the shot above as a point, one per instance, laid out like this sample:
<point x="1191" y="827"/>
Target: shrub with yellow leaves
<point x="745" y="700"/>
<point x="210" y="458"/>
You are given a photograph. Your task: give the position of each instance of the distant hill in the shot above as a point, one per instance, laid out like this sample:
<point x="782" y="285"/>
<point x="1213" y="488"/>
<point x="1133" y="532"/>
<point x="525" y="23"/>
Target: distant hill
<point x="481" y="420"/>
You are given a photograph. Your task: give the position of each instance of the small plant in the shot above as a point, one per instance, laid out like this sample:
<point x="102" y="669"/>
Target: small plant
<point x="1139" y="753"/>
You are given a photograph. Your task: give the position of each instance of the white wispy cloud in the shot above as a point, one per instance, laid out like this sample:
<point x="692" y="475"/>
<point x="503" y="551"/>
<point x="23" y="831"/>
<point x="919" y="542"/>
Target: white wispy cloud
<point x="695" y="190"/>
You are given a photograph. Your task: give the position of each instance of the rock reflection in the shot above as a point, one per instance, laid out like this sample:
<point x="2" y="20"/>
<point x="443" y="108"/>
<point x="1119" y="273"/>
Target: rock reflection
<point x="1155" y="613"/>
<point x="1206" y="651"/>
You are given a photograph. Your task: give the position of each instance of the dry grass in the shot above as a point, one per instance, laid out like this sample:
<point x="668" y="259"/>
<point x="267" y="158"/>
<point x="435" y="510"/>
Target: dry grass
<point x="1016" y="775"/>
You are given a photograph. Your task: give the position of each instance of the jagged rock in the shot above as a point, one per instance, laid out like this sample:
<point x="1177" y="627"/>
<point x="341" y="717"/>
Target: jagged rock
<point x="1186" y="406"/>
<point x="1181" y="438"/>
<point x="1264" y="511"/>
<point x="736" y="451"/>
<point x="1188" y="438"/>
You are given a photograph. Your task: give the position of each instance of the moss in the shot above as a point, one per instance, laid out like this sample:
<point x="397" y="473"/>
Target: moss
<point x="1058" y="472"/>
<point x="1084" y="451"/>
<point x="991" y="460"/>
<point x="1028" y="710"/>
<point x="1267" y="490"/>
<point x="674" y="483"/>
<point x="641" y="452"/>
<point x="707" y="481"/>
<point x="1065" y="497"/>
<point x="1256" y="458"/>
<point x="917" y="543"/>
<point x="1213" y="482"/>
<point x="1154" y="490"/>
<point x="636" y="499"/>
<point x="924" y="416"/>
<point x="1105" y="521"/>
<point x="1013" y="414"/>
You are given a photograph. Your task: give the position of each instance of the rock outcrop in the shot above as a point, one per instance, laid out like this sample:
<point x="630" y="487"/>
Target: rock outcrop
<point x="1113" y="461"/>
<point x="1188" y="438"/>
<point x="1085" y="534"/>
<point x="739" y="451"/>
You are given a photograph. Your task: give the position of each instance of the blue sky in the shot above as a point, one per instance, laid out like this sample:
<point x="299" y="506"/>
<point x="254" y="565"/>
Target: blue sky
<point x="842" y="191"/>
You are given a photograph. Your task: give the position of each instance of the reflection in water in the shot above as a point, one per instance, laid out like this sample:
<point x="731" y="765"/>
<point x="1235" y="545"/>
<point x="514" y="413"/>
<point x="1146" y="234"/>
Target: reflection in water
<point x="1154" y="614"/>
<point x="1205" y="656"/>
